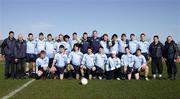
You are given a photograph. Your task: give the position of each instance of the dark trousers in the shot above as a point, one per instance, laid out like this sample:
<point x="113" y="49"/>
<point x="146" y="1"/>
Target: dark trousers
<point x="171" y="68"/>
<point x="110" y="74"/>
<point x="50" y="62"/>
<point x="20" y="67"/>
<point x="9" y="64"/>
<point x="156" y="65"/>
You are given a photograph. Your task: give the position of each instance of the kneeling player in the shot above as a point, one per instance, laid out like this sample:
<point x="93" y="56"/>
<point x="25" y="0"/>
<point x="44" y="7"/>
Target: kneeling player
<point x="140" y="65"/>
<point x="127" y="62"/>
<point x="59" y="63"/>
<point x="75" y="58"/>
<point x="88" y="64"/>
<point x="100" y="61"/>
<point x="42" y="65"/>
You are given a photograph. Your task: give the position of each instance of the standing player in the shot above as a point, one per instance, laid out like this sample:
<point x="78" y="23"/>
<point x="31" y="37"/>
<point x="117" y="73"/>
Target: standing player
<point x="105" y="44"/>
<point x="75" y="58"/>
<point x="113" y="66"/>
<point x="60" y="61"/>
<point x="156" y="50"/>
<point x="30" y="54"/>
<point x="88" y="64"/>
<point x="114" y="43"/>
<point x="95" y="42"/>
<point x="100" y="62"/>
<point x="133" y="44"/>
<point x="128" y="63"/>
<point x="50" y="49"/>
<point x="41" y="43"/>
<point x="74" y="40"/>
<point x="140" y="65"/>
<point x="123" y="43"/>
<point x="85" y="43"/>
<point x="144" y="46"/>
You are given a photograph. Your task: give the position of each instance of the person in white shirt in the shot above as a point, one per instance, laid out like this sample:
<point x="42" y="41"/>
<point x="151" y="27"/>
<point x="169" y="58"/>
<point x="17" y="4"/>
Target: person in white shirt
<point x="113" y="66"/>
<point x="50" y="49"/>
<point x="140" y="65"/>
<point x="123" y="43"/>
<point x="74" y="40"/>
<point x="100" y="62"/>
<point x="127" y="63"/>
<point x="42" y="65"/>
<point x="87" y="64"/>
<point x="59" y="63"/>
<point x="75" y="58"/>
<point x="30" y="54"/>
<point x="105" y="44"/>
<point x="41" y="42"/>
<point x="133" y="44"/>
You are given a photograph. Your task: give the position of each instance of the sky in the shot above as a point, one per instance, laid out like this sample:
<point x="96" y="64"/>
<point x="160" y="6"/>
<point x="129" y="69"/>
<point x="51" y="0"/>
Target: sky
<point x="154" y="17"/>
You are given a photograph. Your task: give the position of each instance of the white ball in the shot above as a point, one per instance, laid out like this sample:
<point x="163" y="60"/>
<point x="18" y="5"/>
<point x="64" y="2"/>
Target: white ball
<point x="39" y="73"/>
<point x="84" y="81"/>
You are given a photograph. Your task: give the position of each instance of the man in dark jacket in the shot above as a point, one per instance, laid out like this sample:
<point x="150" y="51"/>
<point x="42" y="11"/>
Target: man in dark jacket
<point x="171" y="55"/>
<point x="84" y="43"/>
<point x="20" y="56"/>
<point x="95" y="42"/>
<point x="156" y="49"/>
<point x="7" y="50"/>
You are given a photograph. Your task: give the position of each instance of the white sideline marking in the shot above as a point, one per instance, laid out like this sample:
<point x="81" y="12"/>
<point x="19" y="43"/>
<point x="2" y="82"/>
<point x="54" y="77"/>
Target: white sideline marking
<point x="17" y="90"/>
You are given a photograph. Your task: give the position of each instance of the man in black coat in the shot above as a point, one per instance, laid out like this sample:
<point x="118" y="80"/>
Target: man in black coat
<point x="7" y="50"/>
<point x="156" y="49"/>
<point x="20" y="56"/>
<point x="171" y="55"/>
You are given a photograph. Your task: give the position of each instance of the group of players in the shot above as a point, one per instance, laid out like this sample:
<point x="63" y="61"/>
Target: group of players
<point x="92" y="57"/>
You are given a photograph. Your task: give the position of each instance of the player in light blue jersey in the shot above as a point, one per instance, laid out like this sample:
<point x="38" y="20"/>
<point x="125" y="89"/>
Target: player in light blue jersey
<point x="88" y="64"/>
<point x="105" y="44"/>
<point x="133" y="44"/>
<point x="100" y="62"/>
<point x="75" y="58"/>
<point x="113" y="66"/>
<point x="41" y="42"/>
<point x="59" y="63"/>
<point x="144" y="46"/>
<point x="122" y="44"/>
<point x="140" y="65"/>
<point x="50" y="49"/>
<point x="127" y="63"/>
<point x="42" y="65"/>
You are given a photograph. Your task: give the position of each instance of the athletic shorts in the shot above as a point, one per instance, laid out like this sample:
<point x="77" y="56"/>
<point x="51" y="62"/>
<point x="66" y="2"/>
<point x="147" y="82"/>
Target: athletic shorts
<point x="31" y="57"/>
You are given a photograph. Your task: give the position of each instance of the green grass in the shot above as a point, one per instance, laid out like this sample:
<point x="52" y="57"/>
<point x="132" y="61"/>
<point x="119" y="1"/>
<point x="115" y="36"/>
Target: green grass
<point x="104" y="89"/>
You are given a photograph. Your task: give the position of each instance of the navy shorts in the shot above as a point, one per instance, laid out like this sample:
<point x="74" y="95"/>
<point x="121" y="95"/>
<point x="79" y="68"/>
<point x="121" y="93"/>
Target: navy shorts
<point x="99" y="70"/>
<point x="60" y="70"/>
<point x="89" y="71"/>
<point x="135" y="71"/>
<point x="129" y="70"/>
<point x="31" y="57"/>
<point x="76" y="68"/>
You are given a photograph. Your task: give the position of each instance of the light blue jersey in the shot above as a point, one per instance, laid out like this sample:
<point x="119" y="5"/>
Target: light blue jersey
<point x="104" y="44"/>
<point x="31" y="47"/>
<point x="75" y="58"/>
<point x="122" y="45"/>
<point x="50" y="49"/>
<point x="113" y="63"/>
<point x="139" y="60"/>
<point x="144" y="46"/>
<point x="133" y="46"/>
<point x="115" y="47"/>
<point x="40" y="45"/>
<point x="128" y="60"/>
<point x="61" y="59"/>
<point x="88" y="60"/>
<point x="100" y="60"/>
<point x="43" y="62"/>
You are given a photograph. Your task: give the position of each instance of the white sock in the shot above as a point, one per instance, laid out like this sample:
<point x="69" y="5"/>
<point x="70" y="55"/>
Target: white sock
<point x="160" y="75"/>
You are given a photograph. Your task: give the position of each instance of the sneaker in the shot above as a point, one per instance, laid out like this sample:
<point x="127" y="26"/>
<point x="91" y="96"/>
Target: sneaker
<point x="160" y="77"/>
<point x="100" y="78"/>
<point x="146" y="79"/>
<point x="154" y="76"/>
<point x="118" y="79"/>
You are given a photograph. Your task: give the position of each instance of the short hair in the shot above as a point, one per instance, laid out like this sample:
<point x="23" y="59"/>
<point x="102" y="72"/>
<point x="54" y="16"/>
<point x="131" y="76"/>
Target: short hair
<point x="94" y="31"/>
<point x="11" y="32"/>
<point x="85" y="33"/>
<point x="156" y="36"/>
<point x="30" y="34"/>
<point x="49" y="35"/>
<point x="143" y="34"/>
<point x="89" y="47"/>
<point x="74" y="33"/>
<point x="42" y="52"/>
<point x="126" y="47"/>
<point x="114" y="35"/>
<point x="123" y="35"/>
<point x="138" y="50"/>
<point x="132" y="34"/>
<point x="61" y="46"/>
<point x="105" y="35"/>
<point x="66" y="36"/>
<point x="76" y="45"/>
<point x="101" y="47"/>
<point x="41" y="34"/>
